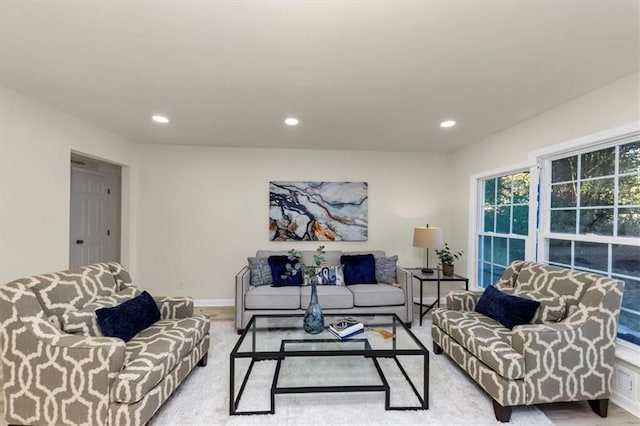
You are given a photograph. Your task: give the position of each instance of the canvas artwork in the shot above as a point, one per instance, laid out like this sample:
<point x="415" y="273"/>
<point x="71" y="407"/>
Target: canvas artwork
<point x="318" y="211"/>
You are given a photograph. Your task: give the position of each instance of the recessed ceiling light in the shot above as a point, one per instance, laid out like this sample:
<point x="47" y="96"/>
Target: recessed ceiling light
<point x="291" y="121"/>
<point x="448" y="123"/>
<point x="160" y="119"/>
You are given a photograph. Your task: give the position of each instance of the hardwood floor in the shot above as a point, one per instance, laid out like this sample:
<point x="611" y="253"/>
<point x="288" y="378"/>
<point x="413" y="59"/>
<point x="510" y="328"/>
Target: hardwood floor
<point x="561" y="414"/>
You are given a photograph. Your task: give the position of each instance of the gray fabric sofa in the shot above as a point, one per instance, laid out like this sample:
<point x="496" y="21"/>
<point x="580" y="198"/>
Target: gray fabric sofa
<point x="566" y="352"/>
<point x="358" y="298"/>
<point x="56" y="370"/>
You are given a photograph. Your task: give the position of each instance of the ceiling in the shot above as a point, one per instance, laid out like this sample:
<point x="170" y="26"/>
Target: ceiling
<point x="357" y="74"/>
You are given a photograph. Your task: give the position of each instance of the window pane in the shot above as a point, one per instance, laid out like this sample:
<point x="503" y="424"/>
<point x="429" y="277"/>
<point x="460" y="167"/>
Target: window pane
<point x="629" y="222"/>
<point x="626" y="260"/>
<point x="497" y="274"/>
<point x="560" y="251"/>
<point x="521" y="220"/>
<point x="629" y="325"/>
<point x="592" y="255"/>
<point x="563" y="195"/>
<point x="596" y="192"/>
<point x="500" y="251"/>
<point x="487" y="249"/>
<point x="503" y="220"/>
<point x="629" y="190"/>
<point x="486" y="274"/>
<point x="489" y="214"/>
<point x="596" y="221"/>
<point x="598" y="163"/>
<point x="565" y="169"/>
<point x="490" y="191"/>
<point x="630" y="157"/>
<point x="563" y="221"/>
<point x="504" y="190"/>
<point x="516" y="249"/>
<point x="521" y="188"/>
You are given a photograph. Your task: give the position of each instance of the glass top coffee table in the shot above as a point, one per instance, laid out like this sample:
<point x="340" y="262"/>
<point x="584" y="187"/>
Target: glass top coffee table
<point x="387" y="357"/>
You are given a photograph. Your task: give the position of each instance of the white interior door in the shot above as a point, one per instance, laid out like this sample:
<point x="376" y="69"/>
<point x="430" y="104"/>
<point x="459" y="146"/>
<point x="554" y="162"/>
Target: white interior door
<point x="90" y="237"/>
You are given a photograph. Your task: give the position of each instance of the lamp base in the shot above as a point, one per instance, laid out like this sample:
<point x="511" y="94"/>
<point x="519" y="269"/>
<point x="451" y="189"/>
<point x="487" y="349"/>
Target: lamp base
<point x="426" y="270"/>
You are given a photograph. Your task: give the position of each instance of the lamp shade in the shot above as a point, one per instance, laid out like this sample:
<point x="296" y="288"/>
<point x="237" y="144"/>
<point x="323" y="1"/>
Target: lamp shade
<point x="426" y="237"/>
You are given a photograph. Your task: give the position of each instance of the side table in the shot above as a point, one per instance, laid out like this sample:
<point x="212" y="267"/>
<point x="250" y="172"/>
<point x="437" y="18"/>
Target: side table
<point x="437" y="278"/>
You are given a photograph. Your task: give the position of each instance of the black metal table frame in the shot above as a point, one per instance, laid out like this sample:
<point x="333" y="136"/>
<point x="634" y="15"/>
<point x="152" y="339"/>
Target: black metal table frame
<point x="435" y="277"/>
<point x="366" y="352"/>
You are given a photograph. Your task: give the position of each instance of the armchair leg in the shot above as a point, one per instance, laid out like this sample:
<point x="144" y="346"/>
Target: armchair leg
<point x="599" y="406"/>
<point x="503" y="414"/>
<point x="203" y="360"/>
<point x="437" y="349"/>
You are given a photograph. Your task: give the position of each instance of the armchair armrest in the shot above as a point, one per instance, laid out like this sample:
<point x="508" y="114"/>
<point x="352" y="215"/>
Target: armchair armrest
<point x="405" y="281"/>
<point x="243" y="282"/>
<point x="463" y="300"/>
<point x="174" y="307"/>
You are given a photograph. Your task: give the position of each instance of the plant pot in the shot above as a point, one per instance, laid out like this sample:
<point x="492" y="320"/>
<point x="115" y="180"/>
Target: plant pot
<point x="447" y="270"/>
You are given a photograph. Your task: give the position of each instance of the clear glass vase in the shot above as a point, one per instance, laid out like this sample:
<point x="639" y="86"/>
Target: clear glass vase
<point x="313" y="318"/>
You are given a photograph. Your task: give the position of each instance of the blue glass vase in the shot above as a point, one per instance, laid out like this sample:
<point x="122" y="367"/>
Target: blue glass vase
<point x="313" y="318"/>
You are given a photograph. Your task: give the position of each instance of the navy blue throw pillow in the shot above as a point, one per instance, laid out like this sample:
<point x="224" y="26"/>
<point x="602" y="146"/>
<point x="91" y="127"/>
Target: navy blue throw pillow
<point x="506" y="309"/>
<point x="129" y="318"/>
<point x="278" y="266"/>
<point x="359" y="269"/>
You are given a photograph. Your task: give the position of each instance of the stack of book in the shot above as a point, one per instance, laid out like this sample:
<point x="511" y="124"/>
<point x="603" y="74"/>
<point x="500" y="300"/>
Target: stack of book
<point x="346" y="328"/>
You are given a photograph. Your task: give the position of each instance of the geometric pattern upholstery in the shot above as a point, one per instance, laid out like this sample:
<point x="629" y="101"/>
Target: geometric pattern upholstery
<point x="567" y="360"/>
<point x="53" y="377"/>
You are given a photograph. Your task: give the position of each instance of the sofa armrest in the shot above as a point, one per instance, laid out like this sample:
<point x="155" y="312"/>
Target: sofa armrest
<point x="243" y="282"/>
<point x="463" y="300"/>
<point x="405" y="280"/>
<point x="564" y="361"/>
<point x="174" y="307"/>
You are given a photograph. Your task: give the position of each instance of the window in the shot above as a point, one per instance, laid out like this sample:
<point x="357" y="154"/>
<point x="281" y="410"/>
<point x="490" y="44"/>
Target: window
<point x="591" y="204"/>
<point x="504" y="224"/>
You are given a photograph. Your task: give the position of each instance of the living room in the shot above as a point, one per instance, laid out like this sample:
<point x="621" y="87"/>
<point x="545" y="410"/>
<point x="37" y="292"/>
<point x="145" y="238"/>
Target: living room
<point x="194" y="209"/>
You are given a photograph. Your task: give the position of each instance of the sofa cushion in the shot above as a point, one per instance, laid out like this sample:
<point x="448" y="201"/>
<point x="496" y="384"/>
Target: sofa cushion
<point x="359" y="269"/>
<point x="268" y="297"/>
<point x="552" y="308"/>
<point x="260" y="271"/>
<point x="153" y="353"/>
<point x="128" y="318"/>
<point x="330" y="275"/>
<point x="386" y="269"/>
<point x="84" y="321"/>
<point x="507" y="309"/>
<point x="376" y="295"/>
<point x="484" y="337"/>
<point x="329" y="297"/>
<point x="278" y="265"/>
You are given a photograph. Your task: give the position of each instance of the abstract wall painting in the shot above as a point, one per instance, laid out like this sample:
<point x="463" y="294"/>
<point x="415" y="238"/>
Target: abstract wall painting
<point x="318" y="211"/>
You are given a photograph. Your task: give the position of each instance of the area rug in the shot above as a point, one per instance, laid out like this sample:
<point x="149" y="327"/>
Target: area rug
<point x="454" y="399"/>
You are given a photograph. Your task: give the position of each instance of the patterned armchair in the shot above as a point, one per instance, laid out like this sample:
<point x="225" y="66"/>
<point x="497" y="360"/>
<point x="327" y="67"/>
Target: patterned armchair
<point x="59" y="369"/>
<point x="566" y="353"/>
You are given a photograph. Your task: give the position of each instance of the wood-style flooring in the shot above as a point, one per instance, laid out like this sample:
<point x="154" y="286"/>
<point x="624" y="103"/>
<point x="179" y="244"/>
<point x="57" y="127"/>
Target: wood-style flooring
<point x="561" y="414"/>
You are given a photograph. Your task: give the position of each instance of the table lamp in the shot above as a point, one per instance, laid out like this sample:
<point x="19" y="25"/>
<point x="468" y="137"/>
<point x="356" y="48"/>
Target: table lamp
<point x="427" y="238"/>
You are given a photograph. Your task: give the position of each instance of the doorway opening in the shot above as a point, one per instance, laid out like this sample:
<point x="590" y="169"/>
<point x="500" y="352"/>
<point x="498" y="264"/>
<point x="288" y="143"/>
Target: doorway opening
<point x="95" y="213"/>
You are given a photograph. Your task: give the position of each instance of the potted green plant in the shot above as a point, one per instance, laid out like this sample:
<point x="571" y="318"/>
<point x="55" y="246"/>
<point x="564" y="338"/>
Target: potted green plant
<point x="447" y="257"/>
<point x="313" y="320"/>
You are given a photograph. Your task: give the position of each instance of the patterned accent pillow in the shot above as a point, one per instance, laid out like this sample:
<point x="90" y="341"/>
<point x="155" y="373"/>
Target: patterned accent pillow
<point x="260" y="271"/>
<point x="83" y="321"/>
<point x="552" y="308"/>
<point x="386" y="269"/>
<point x="330" y="275"/>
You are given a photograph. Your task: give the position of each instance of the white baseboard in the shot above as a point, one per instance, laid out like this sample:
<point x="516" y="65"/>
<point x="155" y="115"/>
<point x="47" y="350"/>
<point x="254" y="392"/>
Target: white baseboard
<point x="199" y="303"/>
<point x="626" y="404"/>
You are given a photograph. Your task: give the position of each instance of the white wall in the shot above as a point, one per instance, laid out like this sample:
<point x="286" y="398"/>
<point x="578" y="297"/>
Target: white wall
<point x="610" y="106"/>
<point x="35" y="150"/>
<point x="203" y="210"/>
